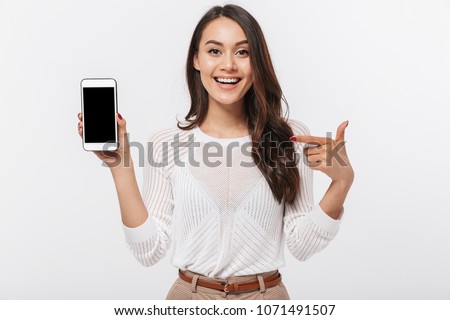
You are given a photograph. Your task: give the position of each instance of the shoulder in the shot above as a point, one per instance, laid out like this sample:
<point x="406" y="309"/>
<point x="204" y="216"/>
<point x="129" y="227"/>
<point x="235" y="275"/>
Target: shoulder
<point x="298" y="127"/>
<point x="163" y="142"/>
<point x="168" y="134"/>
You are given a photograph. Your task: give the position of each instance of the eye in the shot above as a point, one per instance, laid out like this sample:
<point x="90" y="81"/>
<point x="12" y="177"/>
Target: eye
<point x="243" y="52"/>
<point x="214" y="51"/>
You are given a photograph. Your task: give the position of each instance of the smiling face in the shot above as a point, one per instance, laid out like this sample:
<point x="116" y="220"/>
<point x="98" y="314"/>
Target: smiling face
<point x="224" y="63"/>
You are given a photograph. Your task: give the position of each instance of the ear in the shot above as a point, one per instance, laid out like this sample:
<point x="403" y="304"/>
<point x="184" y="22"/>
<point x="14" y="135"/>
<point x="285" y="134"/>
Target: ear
<point x="196" y="62"/>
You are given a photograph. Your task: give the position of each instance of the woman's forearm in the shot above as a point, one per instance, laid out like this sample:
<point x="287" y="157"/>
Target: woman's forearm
<point x="132" y="207"/>
<point x="333" y="200"/>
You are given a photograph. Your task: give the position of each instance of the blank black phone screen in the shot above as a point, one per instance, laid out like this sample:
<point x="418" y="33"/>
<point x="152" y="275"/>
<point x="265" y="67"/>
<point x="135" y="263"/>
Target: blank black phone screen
<point x="99" y="115"/>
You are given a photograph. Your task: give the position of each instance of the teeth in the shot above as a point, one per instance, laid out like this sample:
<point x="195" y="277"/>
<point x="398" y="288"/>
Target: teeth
<point x="224" y="80"/>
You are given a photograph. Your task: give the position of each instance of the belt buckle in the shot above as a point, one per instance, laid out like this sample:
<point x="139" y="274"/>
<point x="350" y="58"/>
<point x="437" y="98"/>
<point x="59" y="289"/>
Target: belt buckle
<point x="225" y="288"/>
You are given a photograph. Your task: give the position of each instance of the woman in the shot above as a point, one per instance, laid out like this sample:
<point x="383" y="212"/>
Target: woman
<point x="229" y="218"/>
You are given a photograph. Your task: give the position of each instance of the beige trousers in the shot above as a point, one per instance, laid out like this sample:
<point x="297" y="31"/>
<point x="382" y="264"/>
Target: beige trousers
<point x="182" y="290"/>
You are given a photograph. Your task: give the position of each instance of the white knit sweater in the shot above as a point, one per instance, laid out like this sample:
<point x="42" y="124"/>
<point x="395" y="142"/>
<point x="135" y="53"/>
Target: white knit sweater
<point x="213" y="203"/>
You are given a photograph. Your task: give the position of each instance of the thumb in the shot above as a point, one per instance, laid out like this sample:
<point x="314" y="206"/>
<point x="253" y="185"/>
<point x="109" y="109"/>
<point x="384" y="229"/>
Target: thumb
<point x="340" y="133"/>
<point x="122" y="123"/>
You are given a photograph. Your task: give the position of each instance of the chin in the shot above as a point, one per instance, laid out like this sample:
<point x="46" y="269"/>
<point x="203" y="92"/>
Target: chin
<point x="227" y="100"/>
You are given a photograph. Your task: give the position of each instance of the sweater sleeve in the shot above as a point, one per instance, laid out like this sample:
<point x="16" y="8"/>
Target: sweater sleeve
<point x="150" y="241"/>
<point x="307" y="227"/>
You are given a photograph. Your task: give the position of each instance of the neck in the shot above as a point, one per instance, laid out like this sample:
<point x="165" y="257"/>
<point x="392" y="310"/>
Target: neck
<point x="225" y="120"/>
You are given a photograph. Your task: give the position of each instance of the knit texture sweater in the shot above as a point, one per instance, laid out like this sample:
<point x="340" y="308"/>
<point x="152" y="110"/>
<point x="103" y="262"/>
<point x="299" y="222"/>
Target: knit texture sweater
<point x="208" y="197"/>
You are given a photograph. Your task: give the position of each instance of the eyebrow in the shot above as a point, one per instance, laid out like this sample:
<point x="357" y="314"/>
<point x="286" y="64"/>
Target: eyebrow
<point x="221" y="44"/>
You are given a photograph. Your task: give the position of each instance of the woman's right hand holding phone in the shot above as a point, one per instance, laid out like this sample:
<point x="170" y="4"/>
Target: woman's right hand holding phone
<point x="132" y="207"/>
<point x="120" y="157"/>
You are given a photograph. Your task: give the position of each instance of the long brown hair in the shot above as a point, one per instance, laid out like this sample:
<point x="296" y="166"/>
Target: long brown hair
<point x="262" y="105"/>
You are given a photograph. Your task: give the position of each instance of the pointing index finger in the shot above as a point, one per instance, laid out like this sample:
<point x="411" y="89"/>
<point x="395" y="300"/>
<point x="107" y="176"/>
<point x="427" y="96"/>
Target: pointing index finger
<point x="310" y="139"/>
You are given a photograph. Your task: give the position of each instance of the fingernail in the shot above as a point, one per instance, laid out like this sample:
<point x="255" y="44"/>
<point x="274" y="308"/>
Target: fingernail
<point x="293" y="138"/>
<point x="120" y="116"/>
<point x="347" y="124"/>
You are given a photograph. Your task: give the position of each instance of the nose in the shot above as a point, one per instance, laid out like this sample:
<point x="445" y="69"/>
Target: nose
<point x="228" y="63"/>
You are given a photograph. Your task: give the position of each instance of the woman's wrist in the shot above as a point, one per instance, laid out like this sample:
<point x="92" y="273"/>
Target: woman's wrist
<point x="345" y="181"/>
<point x="343" y="185"/>
<point x="124" y="164"/>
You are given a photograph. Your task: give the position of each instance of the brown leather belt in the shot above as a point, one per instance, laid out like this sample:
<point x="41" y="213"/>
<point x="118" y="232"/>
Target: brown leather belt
<point x="269" y="281"/>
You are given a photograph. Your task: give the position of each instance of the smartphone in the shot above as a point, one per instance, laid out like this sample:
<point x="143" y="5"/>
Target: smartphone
<point x="99" y="109"/>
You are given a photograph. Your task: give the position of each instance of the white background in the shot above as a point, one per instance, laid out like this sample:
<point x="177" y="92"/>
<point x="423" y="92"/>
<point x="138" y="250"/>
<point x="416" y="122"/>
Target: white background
<point x="383" y="65"/>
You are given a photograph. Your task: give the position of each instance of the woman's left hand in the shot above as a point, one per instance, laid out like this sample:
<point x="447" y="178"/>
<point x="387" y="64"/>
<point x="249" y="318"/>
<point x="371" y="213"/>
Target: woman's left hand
<point x="329" y="156"/>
